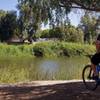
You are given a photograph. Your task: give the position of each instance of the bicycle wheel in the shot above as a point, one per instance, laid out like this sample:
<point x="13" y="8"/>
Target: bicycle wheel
<point x="87" y="78"/>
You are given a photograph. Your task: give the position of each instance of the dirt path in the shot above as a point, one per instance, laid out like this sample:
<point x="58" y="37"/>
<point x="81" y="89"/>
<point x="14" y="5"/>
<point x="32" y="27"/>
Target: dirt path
<point x="48" y="90"/>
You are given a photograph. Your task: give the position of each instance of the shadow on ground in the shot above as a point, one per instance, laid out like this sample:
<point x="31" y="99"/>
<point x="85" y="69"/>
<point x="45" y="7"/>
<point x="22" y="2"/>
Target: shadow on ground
<point x="65" y="91"/>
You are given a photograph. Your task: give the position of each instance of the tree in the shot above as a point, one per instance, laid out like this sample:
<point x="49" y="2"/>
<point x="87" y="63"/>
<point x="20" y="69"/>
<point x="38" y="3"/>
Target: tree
<point x="92" y="5"/>
<point x="87" y="24"/>
<point x="35" y="12"/>
<point x="2" y="13"/>
<point x="73" y="34"/>
<point x="53" y="10"/>
<point x="8" y="24"/>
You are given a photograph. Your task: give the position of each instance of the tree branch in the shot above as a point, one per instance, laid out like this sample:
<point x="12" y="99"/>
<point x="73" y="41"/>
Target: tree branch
<point x="80" y="5"/>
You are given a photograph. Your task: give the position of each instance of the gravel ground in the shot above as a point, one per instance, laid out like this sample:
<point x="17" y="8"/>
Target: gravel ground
<point x="48" y="90"/>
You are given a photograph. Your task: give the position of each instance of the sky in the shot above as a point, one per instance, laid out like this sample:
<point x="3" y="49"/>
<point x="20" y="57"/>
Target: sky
<point x="8" y="4"/>
<point x="75" y="17"/>
<point x="11" y="5"/>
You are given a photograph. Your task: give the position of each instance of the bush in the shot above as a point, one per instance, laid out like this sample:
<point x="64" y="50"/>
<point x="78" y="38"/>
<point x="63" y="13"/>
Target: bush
<point x="68" y="33"/>
<point x="73" y="34"/>
<point x="38" y="51"/>
<point x="47" y="49"/>
<point x="51" y="48"/>
<point x="44" y="34"/>
<point x="52" y="33"/>
<point x="56" y="33"/>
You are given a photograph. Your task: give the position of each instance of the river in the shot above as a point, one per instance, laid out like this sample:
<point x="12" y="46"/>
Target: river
<point x="15" y="69"/>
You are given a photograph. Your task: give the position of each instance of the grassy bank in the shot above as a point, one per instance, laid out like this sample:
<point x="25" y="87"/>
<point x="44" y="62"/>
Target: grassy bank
<point x="18" y="62"/>
<point x="47" y="49"/>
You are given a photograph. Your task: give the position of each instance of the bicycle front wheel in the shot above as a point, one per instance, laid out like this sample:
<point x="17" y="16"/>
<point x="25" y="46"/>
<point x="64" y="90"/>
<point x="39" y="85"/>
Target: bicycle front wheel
<point x="87" y="78"/>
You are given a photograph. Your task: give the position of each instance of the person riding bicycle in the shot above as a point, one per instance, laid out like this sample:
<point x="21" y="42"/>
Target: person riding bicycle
<point x="95" y="60"/>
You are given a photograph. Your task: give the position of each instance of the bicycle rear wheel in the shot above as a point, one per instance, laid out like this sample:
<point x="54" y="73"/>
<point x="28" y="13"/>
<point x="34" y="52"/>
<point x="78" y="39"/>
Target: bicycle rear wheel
<point x="87" y="78"/>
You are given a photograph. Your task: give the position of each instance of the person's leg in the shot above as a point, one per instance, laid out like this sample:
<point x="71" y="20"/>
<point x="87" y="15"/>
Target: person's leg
<point x="94" y="62"/>
<point x="94" y="69"/>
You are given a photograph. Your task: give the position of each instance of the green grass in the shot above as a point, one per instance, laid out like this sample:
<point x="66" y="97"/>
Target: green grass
<point x="25" y="68"/>
<point x="46" y="49"/>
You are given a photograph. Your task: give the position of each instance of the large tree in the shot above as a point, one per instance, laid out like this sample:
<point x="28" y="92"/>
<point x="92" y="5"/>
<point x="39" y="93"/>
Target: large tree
<point x="35" y="12"/>
<point x="93" y="5"/>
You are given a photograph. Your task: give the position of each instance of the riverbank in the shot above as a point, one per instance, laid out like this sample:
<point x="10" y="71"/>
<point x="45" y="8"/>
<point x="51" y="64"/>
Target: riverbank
<point x="38" y="83"/>
<point x="46" y="49"/>
<point x="42" y="61"/>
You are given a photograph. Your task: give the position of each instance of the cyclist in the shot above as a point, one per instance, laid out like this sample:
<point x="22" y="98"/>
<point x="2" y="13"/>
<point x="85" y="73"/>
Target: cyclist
<point x="95" y="60"/>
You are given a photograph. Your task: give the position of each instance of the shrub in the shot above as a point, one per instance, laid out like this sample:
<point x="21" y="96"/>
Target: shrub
<point x="73" y="34"/>
<point x="38" y="51"/>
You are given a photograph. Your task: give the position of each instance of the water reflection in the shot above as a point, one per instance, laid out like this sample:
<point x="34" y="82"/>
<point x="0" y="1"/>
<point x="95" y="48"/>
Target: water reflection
<point x="49" y="66"/>
<point x="21" y="69"/>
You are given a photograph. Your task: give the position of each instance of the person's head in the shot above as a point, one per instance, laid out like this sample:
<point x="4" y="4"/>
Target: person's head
<point x="98" y="43"/>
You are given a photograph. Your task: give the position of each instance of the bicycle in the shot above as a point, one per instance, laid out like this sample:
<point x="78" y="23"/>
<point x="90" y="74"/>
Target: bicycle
<point x="87" y="76"/>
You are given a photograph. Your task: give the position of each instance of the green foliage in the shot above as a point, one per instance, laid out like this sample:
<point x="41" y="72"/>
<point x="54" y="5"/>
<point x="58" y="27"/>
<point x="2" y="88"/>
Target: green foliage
<point x="14" y="50"/>
<point x="47" y="49"/>
<point x="69" y="34"/>
<point x="38" y="51"/>
<point x="8" y="25"/>
<point x="2" y="13"/>
<point x="73" y="34"/>
<point x="64" y="49"/>
<point x="56" y="33"/>
<point x="32" y="13"/>
<point x="44" y="33"/>
<point x="35" y="12"/>
<point x="52" y="33"/>
<point x="87" y="24"/>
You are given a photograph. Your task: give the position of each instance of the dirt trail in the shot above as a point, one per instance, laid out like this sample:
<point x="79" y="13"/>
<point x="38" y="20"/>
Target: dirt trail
<point x="48" y="90"/>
